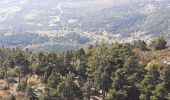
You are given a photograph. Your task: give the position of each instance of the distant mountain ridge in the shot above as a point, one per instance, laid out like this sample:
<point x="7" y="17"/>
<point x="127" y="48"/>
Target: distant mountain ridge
<point x="70" y="24"/>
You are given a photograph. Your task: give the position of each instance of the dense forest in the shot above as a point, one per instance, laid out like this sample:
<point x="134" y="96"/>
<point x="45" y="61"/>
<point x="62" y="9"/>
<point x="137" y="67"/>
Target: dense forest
<point x="129" y="71"/>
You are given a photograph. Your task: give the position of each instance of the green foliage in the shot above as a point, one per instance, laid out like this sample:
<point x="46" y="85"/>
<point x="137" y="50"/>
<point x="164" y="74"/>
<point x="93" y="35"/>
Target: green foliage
<point x="30" y="94"/>
<point x="23" y="85"/>
<point x="53" y="80"/>
<point x="69" y="90"/>
<point x="159" y="43"/>
<point x="10" y="97"/>
<point x="140" y="44"/>
<point x="2" y="73"/>
<point x="108" y="72"/>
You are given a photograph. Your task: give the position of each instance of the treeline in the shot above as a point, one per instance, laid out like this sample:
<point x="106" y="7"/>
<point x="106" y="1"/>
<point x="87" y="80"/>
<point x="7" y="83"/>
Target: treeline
<point x="107" y="72"/>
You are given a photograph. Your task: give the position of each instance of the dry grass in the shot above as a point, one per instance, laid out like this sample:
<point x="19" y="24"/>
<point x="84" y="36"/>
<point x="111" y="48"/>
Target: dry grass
<point x="2" y="81"/>
<point x="151" y="58"/>
<point x="33" y="80"/>
<point x="2" y="94"/>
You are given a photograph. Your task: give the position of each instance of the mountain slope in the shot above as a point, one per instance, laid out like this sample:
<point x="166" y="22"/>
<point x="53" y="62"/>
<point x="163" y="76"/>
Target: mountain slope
<point x="41" y="23"/>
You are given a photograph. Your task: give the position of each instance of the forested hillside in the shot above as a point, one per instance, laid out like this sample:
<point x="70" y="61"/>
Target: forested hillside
<point x="59" y="25"/>
<point x="135" y="71"/>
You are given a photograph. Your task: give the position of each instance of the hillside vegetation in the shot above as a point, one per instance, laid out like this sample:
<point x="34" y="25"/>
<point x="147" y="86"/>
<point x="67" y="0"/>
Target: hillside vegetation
<point x="135" y="71"/>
